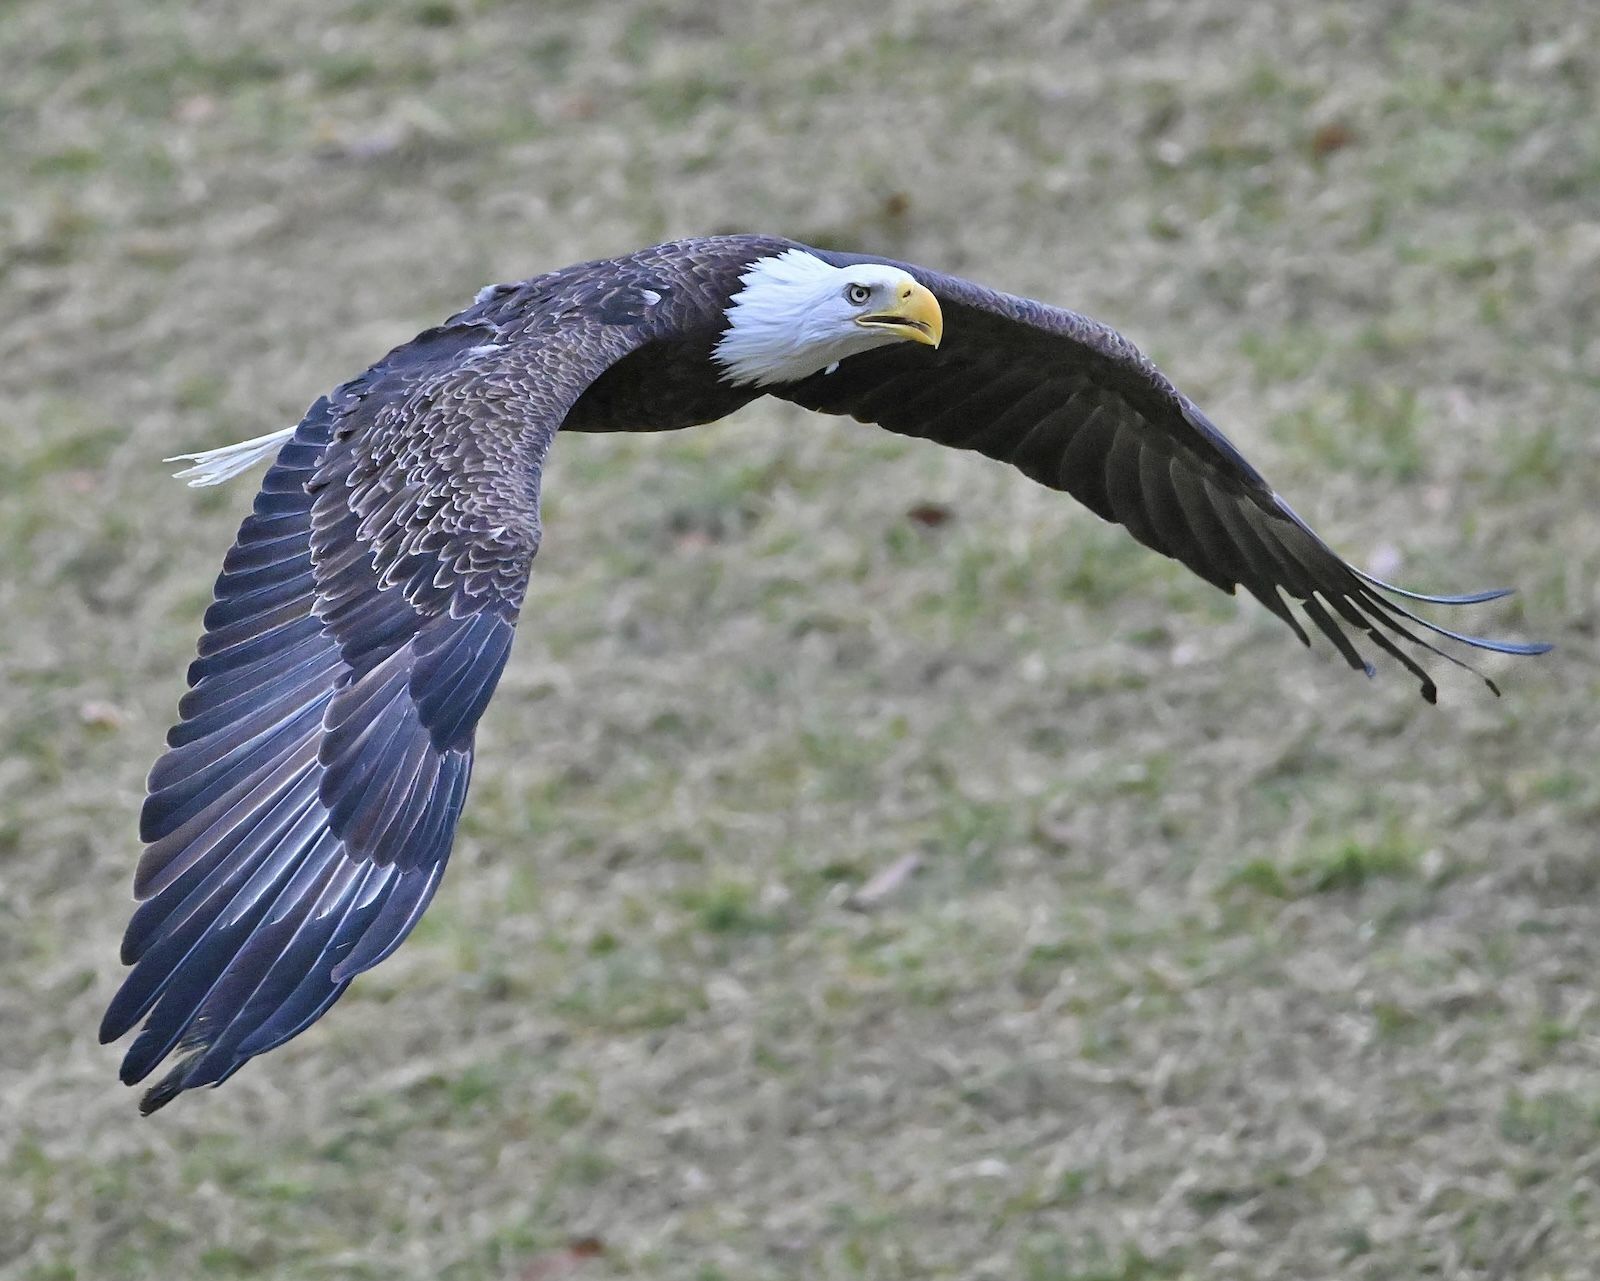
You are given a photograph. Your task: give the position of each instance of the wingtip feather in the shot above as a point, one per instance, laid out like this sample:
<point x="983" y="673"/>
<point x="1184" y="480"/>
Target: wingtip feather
<point x="1458" y="598"/>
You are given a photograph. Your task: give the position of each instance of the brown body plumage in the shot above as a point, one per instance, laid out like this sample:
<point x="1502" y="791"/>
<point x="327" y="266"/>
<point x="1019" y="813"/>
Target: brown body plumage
<point x="301" y="818"/>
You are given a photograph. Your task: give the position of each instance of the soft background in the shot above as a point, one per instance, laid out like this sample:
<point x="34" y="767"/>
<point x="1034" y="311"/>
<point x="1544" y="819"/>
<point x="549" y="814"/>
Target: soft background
<point x="1219" y="960"/>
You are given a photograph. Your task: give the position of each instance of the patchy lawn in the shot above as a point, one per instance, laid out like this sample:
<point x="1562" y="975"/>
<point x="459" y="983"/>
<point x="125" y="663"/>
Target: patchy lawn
<point x="1218" y="961"/>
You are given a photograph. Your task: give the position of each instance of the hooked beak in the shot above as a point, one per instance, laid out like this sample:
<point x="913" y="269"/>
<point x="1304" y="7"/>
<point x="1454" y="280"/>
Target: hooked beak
<point x="914" y="316"/>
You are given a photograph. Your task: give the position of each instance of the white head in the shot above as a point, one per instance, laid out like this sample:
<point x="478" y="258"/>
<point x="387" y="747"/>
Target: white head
<point x="796" y="315"/>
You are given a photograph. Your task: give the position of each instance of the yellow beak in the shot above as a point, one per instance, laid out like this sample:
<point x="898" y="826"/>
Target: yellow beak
<point x="915" y="316"/>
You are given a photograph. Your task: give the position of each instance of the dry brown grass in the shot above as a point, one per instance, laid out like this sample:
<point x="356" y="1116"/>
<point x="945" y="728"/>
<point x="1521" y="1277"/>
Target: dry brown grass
<point x="1220" y="962"/>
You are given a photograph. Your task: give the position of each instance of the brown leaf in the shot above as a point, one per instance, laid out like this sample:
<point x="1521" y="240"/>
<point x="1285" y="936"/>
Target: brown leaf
<point x="929" y="515"/>
<point x="563" y="1262"/>
<point x="1331" y="137"/>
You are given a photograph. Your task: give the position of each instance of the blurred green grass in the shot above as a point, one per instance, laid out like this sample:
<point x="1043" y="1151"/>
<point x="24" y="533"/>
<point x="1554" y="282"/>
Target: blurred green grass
<point x="1218" y="962"/>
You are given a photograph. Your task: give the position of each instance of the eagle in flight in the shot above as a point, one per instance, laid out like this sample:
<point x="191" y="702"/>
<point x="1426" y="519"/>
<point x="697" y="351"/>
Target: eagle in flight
<point x="300" y="818"/>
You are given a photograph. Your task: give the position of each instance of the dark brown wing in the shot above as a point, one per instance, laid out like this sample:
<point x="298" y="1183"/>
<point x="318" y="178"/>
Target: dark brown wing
<point x="1077" y="407"/>
<point x="299" y="822"/>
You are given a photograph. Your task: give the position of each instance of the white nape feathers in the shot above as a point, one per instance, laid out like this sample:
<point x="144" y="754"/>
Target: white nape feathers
<point x="793" y="317"/>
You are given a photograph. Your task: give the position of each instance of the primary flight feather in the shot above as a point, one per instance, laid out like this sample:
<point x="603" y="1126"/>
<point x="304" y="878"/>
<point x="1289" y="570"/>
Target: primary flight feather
<point x="300" y="819"/>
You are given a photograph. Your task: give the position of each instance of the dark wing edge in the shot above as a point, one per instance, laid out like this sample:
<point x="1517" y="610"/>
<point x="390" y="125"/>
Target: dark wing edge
<point x="1077" y="407"/>
<point x="300" y="820"/>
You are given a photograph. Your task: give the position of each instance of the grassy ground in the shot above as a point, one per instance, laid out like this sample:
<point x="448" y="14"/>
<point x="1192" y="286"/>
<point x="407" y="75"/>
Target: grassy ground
<point x="1218" y="961"/>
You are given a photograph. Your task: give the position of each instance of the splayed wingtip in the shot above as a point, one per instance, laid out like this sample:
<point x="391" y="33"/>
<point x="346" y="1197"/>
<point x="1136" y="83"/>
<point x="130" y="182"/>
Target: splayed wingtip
<point x="1461" y="598"/>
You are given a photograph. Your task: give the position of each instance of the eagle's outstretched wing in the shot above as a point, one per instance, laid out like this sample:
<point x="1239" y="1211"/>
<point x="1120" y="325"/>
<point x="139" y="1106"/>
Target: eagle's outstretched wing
<point x="1077" y="407"/>
<point x="299" y="822"/>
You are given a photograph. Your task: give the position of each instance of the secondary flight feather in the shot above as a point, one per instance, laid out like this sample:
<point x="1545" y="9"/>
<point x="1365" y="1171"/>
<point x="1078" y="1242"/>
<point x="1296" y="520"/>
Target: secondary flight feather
<point x="299" y="821"/>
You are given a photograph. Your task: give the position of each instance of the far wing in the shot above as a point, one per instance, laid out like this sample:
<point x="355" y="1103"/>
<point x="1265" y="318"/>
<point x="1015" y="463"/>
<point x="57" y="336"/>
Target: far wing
<point x="1077" y="407"/>
<point x="300" y="820"/>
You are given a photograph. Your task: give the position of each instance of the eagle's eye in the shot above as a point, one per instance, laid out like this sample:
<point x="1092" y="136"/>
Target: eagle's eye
<point x="857" y="294"/>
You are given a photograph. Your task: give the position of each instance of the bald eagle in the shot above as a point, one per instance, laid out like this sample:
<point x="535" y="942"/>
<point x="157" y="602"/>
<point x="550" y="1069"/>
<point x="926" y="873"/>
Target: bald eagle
<point x="299" y="821"/>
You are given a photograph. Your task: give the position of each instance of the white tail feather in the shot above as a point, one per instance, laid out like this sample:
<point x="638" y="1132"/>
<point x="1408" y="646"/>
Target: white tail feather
<point x="213" y="466"/>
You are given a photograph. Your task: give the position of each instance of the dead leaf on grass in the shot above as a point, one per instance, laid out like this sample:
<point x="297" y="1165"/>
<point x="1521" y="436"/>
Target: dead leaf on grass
<point x="929" y="515"/>
<point x="1331" y="137"/>
<point x="563" y="1262"/>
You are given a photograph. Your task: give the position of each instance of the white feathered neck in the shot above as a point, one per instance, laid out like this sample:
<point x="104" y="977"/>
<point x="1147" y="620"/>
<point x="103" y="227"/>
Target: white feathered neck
<point x="791" y="318"/>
